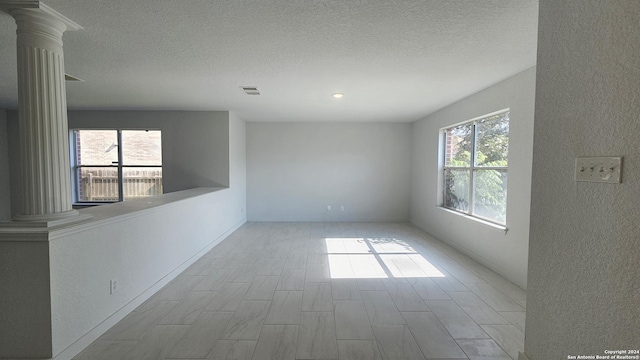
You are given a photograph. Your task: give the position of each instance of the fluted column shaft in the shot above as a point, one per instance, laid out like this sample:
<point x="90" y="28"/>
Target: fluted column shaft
<point x="42" y="109"/>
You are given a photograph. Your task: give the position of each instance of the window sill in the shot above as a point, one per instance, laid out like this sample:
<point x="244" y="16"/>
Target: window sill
<point x="473" y="218"/>
<point x="84" y="205"/>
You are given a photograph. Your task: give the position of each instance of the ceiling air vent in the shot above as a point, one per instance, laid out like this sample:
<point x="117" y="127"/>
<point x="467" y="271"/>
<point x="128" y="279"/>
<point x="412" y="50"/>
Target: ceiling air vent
<point x="68" y="77"/>
<point x="250" y="90"/>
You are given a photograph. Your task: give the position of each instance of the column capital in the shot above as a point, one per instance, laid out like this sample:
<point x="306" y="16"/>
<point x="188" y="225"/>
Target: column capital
<point x="38" y="9"/>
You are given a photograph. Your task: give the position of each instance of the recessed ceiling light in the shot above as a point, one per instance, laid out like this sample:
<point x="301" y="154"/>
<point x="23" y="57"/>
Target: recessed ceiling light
<point x="338" y="95"/>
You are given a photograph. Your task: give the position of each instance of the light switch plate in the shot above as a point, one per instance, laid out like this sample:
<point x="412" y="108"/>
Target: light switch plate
<point x="599" y="169"/>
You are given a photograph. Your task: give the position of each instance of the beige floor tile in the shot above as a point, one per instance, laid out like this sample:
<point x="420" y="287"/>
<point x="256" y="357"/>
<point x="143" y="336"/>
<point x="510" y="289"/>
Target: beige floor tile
<point x="381" y="309"/>
<point x="291" y="279"/>
<point x="157" y="343"/>
<point x="455" y="320"/>
<point x="136" y="325"/>
<point x="397" y="342"/>
<point x="352" y="321"/>
<point x="508" y="337"/>
<point x="228" y="297"/>
<point x="486" y="349"/>
<point x="317" y="297"/>
<point x="317" y="336"/>
<point x="247" y="320"/>
<point x="431" y="336"/>
<point x="276" y="342"/>
<point x="105" y="350"/>
<point x="308" y="313"/>
<point x="233" y="350"/>
<point x="262" y="288"/>
<point x="359" y="350"/>
<point x="188" y="309"/>
<point x="202" y="336"/>
<point x="285" y="308"/>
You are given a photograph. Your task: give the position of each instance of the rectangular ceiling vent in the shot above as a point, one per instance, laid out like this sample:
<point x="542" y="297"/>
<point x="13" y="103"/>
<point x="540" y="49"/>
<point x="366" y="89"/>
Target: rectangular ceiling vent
<point x="250" y="90"/>
<point x="68" y="77"/>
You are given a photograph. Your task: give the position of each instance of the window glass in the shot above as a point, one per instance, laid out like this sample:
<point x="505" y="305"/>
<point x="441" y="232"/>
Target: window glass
<point x="490" y="195"/>
<point x="97" y="184"/>
<point x="140" y="147"/>
<point x="100" y="177"/>
<point x="492" y="143"/>
<point x="139" y="182"/>
<point x="96" y="147"/>
<point x="474" y="178"/>
<point x="458" y="145"/>
<point x="456" y="184"/>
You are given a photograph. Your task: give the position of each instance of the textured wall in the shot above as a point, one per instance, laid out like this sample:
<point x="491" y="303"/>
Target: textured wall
<point x="195" y="145"/>
<point x="238" y="166"/>
<point x="5" y="203"/>
<point x="504" y="253"/>
<point x="294" y="170"/>
<point x="584" y="277"/>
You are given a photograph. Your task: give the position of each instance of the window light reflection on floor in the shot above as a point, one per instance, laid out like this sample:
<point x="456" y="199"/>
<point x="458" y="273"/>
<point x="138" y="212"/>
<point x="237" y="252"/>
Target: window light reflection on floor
<point x="376" y="258"/>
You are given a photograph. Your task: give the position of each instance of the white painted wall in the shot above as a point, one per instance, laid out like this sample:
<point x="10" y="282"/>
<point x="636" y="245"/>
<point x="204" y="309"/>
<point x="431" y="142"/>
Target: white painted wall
<point x="294" y="170"/>
<point x="148" y="249"/>
<point x="143" y="252"/>
<point x="238" y="166"/>
<point x="584" y="279"/>
<point x="195" y="145"/>
<point x="504" y="253"/>
<point x="5" y="198"/>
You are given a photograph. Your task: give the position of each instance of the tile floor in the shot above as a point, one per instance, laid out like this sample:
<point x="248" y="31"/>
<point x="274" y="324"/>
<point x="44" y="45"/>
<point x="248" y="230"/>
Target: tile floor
<point x="325" y="291"/>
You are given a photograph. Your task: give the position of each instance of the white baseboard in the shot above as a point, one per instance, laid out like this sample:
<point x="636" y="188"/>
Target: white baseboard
<point x="84" y="341"/>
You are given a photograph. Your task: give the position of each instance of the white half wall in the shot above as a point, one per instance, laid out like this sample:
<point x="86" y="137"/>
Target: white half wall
<point x="294" y="170"/>
<point x="584" y="273"/>
<point x="505" y="253"/>
<point x="5" y="190"/>
<point x="143" y="250"/>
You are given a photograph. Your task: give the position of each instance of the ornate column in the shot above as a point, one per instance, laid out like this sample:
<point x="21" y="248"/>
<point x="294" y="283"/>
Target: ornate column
<point x="42" y="109"/>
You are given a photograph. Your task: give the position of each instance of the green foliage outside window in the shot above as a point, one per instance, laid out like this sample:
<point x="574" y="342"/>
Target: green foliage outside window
<point x="483" y="167"/>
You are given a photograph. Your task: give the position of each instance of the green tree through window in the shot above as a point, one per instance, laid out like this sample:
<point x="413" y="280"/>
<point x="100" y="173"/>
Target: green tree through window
<point x="475" y="167"/>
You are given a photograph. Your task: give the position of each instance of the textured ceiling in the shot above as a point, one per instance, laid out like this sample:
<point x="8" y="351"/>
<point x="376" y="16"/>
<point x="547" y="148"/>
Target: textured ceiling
<point x="393" y="60"/>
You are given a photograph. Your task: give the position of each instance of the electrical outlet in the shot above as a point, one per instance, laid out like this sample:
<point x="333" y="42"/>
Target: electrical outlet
<point x="342" y="208"/>
<point x="113" y="286"/>
<point x="328" y="207"/>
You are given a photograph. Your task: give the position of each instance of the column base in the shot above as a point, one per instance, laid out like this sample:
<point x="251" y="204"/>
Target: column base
<point x="46" y="220"/>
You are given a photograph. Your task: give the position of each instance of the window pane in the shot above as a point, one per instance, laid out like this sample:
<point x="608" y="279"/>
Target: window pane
<point x="97" y="184"/>
<point x="492" y="143"/>
<point x="490" y="195"/>
<point x="141" y="147"/>
<point x="458" y="143"/>
<point x="456" y="189"/>
<point x="96" y="147"/>
<point x="141" y="182"/>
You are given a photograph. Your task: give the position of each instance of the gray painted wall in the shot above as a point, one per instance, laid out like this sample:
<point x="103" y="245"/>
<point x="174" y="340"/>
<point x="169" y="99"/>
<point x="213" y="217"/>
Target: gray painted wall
<point x="503" y="253"/>
<point x="584" y="279"/>
<point x="294" y="170"/>
<point x="5" y="189"/>
<point x="238" y="165"/>
<point x="195" y="145"/>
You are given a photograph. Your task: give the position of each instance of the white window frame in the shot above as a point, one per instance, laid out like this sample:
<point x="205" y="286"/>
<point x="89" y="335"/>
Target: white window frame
<point x="472" y="170"/>
<point x="73" y="151"/>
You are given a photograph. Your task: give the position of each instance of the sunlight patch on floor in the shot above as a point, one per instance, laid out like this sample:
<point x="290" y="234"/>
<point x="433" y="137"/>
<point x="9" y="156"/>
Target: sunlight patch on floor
<point x="376" y="258"/>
